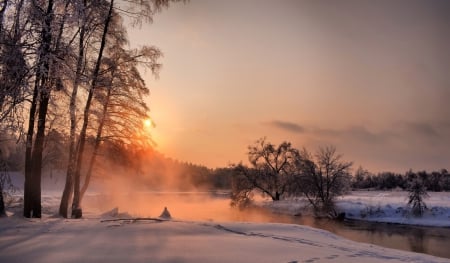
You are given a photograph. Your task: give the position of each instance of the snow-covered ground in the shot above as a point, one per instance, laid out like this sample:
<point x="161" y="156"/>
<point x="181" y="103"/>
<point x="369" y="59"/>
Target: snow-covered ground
<point x="93" y="239"/>
<point x="390" y="207"/>
<point x="379" y="206"/>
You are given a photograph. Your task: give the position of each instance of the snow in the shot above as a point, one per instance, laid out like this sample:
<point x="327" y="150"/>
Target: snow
<point x="378" y="206"/>
<point x="94" y="239"/>
<point x="390" y="207"/>
<point x="90" y="240"/>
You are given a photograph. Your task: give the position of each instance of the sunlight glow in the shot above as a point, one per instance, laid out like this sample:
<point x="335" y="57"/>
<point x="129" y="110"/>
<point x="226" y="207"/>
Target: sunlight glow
<point x="148" y="123"/>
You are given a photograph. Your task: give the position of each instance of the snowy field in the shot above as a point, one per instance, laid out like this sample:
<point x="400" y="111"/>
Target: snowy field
<point x="93" y="239"/>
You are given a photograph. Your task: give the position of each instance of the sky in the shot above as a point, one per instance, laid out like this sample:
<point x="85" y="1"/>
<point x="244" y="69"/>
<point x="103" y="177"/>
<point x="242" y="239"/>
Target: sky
<point x="371" y="78"/>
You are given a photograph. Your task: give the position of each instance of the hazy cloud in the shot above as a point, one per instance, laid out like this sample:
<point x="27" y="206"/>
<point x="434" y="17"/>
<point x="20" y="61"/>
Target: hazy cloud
<point x="359" y="133"/>
<point x="287" y="126"/>
<point x="422" y="129"/>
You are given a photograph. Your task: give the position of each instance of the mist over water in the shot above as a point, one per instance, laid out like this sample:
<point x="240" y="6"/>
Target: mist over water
<point x="183" y="199"/>
<point x="198" y="206"/>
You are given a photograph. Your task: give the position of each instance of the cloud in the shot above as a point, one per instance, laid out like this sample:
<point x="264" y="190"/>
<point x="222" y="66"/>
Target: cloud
<point x="355" y="133"/>
<point x="422" y="129"/>
<point x="397" y="147"/>
<point x="287" y="126"/>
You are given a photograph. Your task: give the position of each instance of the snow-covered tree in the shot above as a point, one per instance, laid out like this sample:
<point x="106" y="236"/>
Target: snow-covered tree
<point x="119" y="105"/>
<point x="137" y="10"/>
<point x="52" y="57"/>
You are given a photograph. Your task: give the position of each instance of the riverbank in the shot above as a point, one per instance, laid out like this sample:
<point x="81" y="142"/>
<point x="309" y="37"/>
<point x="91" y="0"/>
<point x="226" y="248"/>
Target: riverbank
<point x="377" y="206"/>
<point x="93" y="240"/>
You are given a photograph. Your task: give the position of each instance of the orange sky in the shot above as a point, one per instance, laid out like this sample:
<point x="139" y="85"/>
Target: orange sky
<point x="370" y="77"/>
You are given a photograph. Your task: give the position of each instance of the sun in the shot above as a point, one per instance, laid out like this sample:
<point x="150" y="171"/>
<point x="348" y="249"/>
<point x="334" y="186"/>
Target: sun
<point x="147" y="123"/>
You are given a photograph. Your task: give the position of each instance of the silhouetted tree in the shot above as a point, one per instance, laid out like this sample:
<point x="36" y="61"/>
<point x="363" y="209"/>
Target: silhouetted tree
<point x="416" y="193"/>
<point x="221" y="178"/>
<point x="272" y="171"/>
<point x="241" y="187"/>
<point x="322" y="178"/>
<point x="121" y="99"/>
<point x="361" y="179"/>
<point x="39" y="106"/>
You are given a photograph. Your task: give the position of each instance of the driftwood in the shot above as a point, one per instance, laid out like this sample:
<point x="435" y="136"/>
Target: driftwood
<point x="134" y="219"/>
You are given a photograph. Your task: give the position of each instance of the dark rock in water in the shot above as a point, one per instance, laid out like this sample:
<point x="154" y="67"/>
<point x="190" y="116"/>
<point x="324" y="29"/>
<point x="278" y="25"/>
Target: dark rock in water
<point x="165" y="214"/>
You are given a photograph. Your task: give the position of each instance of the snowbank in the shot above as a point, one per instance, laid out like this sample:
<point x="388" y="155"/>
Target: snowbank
<point x="90" y="240"/>
<point x="377" y="206"/>
<point x="390" y="207"/>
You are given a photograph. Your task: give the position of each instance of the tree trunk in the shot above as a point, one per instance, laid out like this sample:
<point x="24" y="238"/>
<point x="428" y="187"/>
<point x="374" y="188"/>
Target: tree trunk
<point x="33" y="155"/>
<point x="2" y="203"/>
<point x="82" y="140"/>
<point x="68" y="187"/>
<point x="37" y="155"/>
<point x="97" y="140"/>
<point x="29" y="146"/>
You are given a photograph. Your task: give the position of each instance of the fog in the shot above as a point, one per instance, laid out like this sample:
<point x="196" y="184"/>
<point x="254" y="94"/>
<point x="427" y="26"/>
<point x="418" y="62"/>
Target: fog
<point x="182" y="198"/>
<point x="202" y="206"/>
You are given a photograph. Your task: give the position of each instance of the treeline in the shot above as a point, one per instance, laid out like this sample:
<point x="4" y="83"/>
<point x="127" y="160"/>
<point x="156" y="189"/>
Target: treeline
<point x="145" y="166"/>
<point x="435" y="181"/>
<point x="152" y="170"/>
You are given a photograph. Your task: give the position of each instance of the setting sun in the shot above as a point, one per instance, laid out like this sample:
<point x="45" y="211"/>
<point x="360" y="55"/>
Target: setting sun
<point x="147" y="123"/>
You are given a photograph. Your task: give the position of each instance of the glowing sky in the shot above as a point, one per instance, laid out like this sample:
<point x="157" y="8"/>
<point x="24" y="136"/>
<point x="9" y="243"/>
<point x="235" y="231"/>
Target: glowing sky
<point x="370" y="77"/>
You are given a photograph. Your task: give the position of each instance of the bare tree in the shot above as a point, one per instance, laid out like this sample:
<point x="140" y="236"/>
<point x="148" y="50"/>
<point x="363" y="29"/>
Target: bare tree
<point x="272" y="171"/>
<point x="322" y="178"/>
<point x="242" y="189"/>
<point x="120" y="97"/>
<point x="88" y="21"/>
<point x="41" y="96"/>
<point x="76" y="209"/>
<point x="137" y="10"/>
<point x="39" y="39"/>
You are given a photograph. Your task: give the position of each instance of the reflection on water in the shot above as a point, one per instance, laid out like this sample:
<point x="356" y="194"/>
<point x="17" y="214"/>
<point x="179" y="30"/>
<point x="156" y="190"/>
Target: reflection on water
<point x="427" y="240"/>
<point x="216" y="207"/>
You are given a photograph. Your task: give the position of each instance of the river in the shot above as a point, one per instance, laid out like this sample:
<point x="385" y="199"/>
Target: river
<point x="206" y="207"/>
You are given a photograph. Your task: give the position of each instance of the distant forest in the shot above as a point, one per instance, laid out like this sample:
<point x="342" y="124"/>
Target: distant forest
<point x="149" y="169"/>
<point x="145" y="167"/>
<point x="435" y="181"/>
